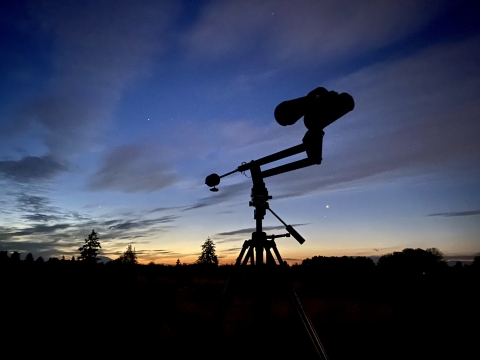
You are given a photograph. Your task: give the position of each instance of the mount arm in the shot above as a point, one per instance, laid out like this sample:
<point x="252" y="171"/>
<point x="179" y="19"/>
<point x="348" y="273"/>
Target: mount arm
<point x="311" y="144"/>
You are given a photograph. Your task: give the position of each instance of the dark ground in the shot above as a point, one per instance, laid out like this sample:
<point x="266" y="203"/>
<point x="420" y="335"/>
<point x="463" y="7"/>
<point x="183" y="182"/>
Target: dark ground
<point x="157" y="310"/>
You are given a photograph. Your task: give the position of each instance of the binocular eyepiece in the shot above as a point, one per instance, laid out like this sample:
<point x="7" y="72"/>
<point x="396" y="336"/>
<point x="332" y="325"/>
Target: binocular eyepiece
<point x="319" y="109"/>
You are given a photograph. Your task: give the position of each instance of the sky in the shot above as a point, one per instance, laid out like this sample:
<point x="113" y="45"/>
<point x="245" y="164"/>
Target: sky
<point x="112" y="113"/>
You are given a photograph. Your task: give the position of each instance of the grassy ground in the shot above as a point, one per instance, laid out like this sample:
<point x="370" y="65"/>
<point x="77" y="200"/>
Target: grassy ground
<point x="160" y="310"/>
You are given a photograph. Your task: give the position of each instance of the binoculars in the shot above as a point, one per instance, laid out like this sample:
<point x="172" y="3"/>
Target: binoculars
<point x="319" y="109"/>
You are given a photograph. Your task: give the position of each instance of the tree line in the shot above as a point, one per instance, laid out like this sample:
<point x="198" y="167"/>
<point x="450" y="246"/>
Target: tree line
<point x="411" y="261"/>
<point x="407" y="261"/>
<point x="89" y="254"/>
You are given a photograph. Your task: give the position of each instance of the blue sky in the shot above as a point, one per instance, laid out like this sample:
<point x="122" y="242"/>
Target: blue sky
<point x="113" y="112"/>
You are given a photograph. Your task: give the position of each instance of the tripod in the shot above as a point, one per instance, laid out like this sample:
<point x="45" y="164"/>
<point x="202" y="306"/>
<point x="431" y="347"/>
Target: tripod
<point x="253" y="252"/>
<point x="319" y="108"/>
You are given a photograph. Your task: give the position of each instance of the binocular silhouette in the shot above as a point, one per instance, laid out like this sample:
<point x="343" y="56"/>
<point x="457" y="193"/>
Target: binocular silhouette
<point x="319" y="109"/>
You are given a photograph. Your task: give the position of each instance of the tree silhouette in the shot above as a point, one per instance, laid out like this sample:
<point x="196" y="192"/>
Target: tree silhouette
<point x="128" y="257"/>
<point x="4" y="256"/>
<point x="458" y="265"/>
<point x="476" y="262"/>
<point x="208" y="253"/>
<point x="436" y="253"/>
<point x="88" y="252"/>
<point x="412" y="261"/>
<point x="340" y="265"/>
<point x="15" y="257"/>
<point x="29" y="258"/>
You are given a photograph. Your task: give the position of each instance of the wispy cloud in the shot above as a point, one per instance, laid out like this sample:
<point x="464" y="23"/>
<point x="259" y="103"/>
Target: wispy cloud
<point x="249" y="231"/>
<point x="457" y="213"/>
<point x="39" y="208"/>
<point x="98" y="49"/>
<point x="162" y="209"/>
<point x="231" y="250"/>
<point x="292" y="259"/>
<point x="42" y="248"/>
<point x="423" y="120"/>
<point x="41" y="217"/>
<point x="53" y="231"/>
<point x="142" y="224"/>
<point x="304" y="30"/>
<point x="32" y="168"/>
<point x="133" y="168"/>
<point x="228" y="193"/>
<point x="34" y="203"/>
<point x="465" y="258"/>
<point x="41" y="229"/>
<point x="235" y="239"/>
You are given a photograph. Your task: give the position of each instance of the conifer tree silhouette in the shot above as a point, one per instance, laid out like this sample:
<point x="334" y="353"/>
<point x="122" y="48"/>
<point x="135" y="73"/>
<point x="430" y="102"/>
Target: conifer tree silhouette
<point x="88" y="252"/>
<point x="129" y="256"/>
<point x="208" y="253"/>
<point x="29" y="258"/>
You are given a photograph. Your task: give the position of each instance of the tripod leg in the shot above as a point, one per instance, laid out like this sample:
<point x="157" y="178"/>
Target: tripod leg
<point x="269" y="256"/>
<point x="277" y="254"/>
<point x="307" y="325"/>
<point x="249" y="256"/>
<point x="242" y="252"/>
<point x="227" y="294"/>
<point x="312" y="334"/>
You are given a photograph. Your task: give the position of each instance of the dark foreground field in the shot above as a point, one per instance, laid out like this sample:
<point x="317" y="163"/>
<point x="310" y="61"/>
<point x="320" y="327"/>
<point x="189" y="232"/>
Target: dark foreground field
<point x="160" y="311"/>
